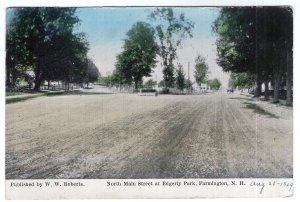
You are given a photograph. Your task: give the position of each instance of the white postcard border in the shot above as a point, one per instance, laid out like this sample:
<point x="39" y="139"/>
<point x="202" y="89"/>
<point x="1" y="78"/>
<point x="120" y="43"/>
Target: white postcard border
<point x="148" y="188"/>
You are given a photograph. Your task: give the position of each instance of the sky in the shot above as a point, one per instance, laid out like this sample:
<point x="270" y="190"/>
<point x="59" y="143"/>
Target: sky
<point x="106" y="29"/>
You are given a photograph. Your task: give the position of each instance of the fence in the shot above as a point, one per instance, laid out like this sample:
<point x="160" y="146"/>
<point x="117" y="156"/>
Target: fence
<point x="61" y="87"/>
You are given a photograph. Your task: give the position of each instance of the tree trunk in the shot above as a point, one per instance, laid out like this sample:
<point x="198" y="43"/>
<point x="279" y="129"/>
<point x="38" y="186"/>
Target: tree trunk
<point x="289" y="78"/>
<point x="38" y="78"/>
<point x="257" y="91"/>
<point x="48" y="84"/>
<point x="65" y="85"/>
<point x="8" y="82"/>
<point x="37" y="83"/>
<point x="276" y="90"/>
<point x="288" y="91"/>
<point x="14" y="76"/>
<point x="266" y="94"/>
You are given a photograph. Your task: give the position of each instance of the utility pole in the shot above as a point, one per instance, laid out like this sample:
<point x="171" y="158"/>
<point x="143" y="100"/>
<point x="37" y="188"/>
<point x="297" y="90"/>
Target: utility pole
<point x="189" y="71"/>
<point x="189" y="82"/>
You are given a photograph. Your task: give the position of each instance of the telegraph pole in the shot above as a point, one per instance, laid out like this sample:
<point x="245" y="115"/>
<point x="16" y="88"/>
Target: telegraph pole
<point x="189" y="71"/>
<point x="189" y="82"/>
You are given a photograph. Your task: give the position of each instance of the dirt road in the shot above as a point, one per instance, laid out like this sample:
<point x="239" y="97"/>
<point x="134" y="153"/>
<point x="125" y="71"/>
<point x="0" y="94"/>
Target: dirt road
<point x="129" y="136"/>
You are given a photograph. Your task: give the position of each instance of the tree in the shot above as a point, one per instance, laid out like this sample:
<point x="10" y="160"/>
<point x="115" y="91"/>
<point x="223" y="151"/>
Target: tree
<point x="242" y="80"/>
<point x="180" y="80"/>
<point x="281" y="40"/>
<point x="150" y="83"/>
<point x="50" y="48"/>
<point x="108" y="80"/>
<point x="237" y="43"/>
<point x="201" y="70"/>
<point x="188" y="84"/>
<point x="92" y="73"/>
<point x="257" y="41"/>
<point x="170" y="31"/>
<point x="17" y="58"/>
<point x="138" y="57"/>
<point x="161" y="83"/>
<point x="215" y="84"/>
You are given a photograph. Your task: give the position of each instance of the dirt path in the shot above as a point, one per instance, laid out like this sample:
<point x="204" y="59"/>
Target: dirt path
<point x="127" y="136"/>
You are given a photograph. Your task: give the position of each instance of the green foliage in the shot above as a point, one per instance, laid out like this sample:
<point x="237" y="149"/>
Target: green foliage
<point x="138" y="57"/>
<point x="21" y="99"/>
<point x="236" y="27"/>
<point x="180" y="80"/>
<point x="242" y="80"/>
<point x="107" y="80"/>
<point x="150" y="83"/>
<point x="42" y="40"/>
<point x="201" y="70"/>
<point x="161" y="83"/>
<point x="188" y="84"/>
<point x="29" y="97"/>
<point x="214" y="84"/>
<point x="170" y="31"/>
<point x="7" y="94"/>
<point x="257" y="41"/>
<point x="168" y="75"/>
<point x="92" y="73"/>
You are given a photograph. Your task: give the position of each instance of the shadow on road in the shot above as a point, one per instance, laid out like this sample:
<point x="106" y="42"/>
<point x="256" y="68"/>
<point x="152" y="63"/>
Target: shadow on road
<point x="238" y="98"/>
<point x="257" y="109"/>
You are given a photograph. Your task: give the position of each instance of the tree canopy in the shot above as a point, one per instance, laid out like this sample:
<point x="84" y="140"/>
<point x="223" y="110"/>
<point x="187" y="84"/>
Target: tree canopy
<point x="170" y="31"/>
<point x="201" y="70"/>
<point x="214" y="84"/>
<point x="242" y="80"/>
<point x="180" y="80"/>
<point x="42" y="40"/>
<point x="257" y="41"/>
<point x="138" y="57"/>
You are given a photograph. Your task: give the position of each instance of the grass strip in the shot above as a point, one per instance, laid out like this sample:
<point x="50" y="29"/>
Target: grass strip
<point x="21" y="99"/>
<point x="7" y="94"/>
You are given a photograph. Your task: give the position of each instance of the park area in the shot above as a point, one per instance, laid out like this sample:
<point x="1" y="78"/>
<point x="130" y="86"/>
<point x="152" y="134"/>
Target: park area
<point x="149" y="92"/>
<point x="95" y="136"/>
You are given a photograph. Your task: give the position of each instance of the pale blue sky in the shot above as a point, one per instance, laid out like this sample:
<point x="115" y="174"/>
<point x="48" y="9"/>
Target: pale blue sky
<point x="106" y="29"/>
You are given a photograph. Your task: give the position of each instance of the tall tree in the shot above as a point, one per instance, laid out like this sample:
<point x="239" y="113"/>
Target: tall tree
<point x="18" y="57"/>
<point x="236" y="46"/>
<point x="215" y="84"/>
<point x="150" y="83"/>
<point x="281" y="37"/>
<point x="180" y="80"/>
<point x="242" y="80"/>
<point x="92" y="72"/>
<point x="47" y="37"/>
<point x="257" y="40"/>
<point x="170" y="30"/>
<point x="201" y="70"/>
<point x="138" y="57"/>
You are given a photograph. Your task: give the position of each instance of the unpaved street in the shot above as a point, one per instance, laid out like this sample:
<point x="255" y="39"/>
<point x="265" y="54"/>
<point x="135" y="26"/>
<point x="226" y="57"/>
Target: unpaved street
<point x="130" y="136"/>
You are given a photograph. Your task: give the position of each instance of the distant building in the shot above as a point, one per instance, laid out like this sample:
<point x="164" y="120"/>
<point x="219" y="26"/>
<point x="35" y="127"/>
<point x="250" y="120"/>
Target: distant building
<point x="204" y="87"/>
